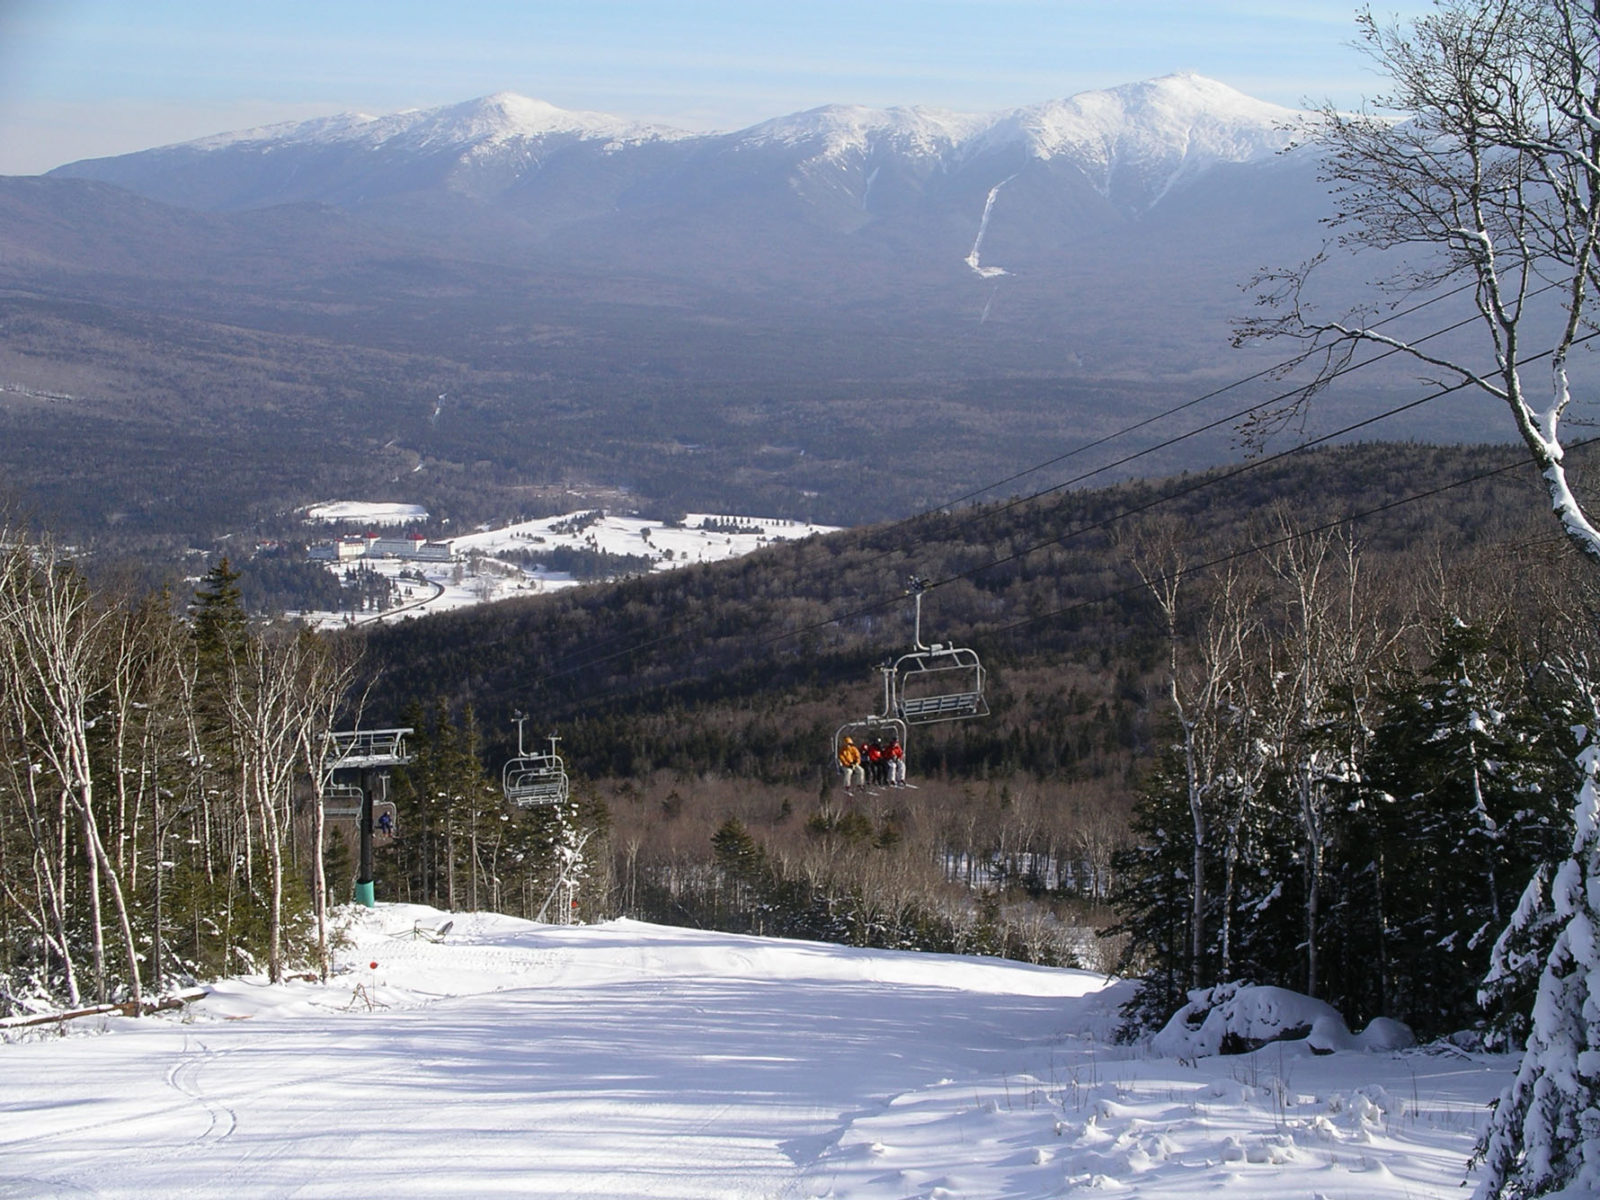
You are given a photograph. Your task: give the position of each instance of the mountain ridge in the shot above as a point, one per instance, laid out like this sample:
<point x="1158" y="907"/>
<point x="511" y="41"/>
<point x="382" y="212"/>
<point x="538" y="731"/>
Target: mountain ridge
<point x="1169" y="128"/>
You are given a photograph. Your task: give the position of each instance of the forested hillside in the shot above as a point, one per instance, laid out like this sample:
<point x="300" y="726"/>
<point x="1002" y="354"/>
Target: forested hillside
<point x="767" y="653"/>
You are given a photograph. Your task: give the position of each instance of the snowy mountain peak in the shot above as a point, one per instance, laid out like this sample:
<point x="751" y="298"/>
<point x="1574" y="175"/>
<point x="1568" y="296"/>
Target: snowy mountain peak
<point x="1150" y="134"/>
<point x="507" y="116"/>
<point x="1133" y="144"/>
<point x="486" y="121"/>
<point x="837" y="128"/>
<point x="1135" y="140"/>
<point x="1189" y="114"/>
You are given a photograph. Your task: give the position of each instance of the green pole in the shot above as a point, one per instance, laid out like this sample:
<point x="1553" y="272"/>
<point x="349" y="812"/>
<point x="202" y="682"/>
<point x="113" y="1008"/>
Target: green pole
<point x="365" y="894"/>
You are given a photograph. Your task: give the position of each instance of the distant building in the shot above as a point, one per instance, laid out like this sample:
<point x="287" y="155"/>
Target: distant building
<point x="344" y="549"/>
<point x="411" y="547"/>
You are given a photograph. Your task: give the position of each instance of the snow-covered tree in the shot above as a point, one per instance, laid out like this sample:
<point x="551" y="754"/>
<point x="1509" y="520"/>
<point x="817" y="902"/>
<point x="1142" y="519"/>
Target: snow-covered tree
<point x="1545" y="1136"/>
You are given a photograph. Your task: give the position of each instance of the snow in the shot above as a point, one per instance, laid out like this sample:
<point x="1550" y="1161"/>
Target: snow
<point x="1161" y="130"/>
<point x="365" y="512"/>
<point x="972" y="259"/>
<point x="632" y="1060"/>
<point x="1256" y="1015"/>
<point x="842" y="129"/>
<point x="487" y="121"/>
<point x="476" y="576"/>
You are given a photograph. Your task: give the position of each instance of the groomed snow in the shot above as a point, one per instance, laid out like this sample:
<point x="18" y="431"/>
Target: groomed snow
<point x="631" y="1060"/>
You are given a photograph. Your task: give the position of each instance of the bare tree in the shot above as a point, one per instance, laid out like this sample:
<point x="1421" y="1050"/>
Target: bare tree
<point x="1201" y="687"/>
<point x="327" y="671"/>
<point x="59" y="637"/>
<point x="1490" y="180"/>
<point x="43" y="809"/>
<point x="282" y="691"/>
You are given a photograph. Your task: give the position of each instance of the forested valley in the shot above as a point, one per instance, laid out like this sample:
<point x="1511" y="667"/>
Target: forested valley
<point x="1309" y="723"/>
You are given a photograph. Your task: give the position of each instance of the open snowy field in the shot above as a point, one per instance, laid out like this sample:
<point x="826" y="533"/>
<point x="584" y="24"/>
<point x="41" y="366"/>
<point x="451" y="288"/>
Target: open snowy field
<point x="477" y="576"/>
<point x="633" y="1060"/>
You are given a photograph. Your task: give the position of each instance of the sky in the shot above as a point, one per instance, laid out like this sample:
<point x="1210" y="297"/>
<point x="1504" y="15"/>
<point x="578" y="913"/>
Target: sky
<point x="627" y="1060"/>
<point x="84" y="78"/>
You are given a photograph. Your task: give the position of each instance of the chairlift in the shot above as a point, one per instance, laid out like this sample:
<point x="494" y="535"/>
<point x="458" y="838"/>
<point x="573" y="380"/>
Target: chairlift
<point x="879" y="725"/>
<point x="371" y="752"/>
<point x="533" y="779"/>
<point x="341" y="801"/>
<point x="385" y="820"/>
<point x="365" y="749"/>
<point x="941" y="682"/>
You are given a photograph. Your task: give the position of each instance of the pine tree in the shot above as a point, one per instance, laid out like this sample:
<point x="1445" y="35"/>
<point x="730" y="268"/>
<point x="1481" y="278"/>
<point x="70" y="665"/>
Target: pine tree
<point x="1467" y="771"/>
<point x="744" y="867"/>
<point x="1151" y="897"/>
<point x="220" y="625"/>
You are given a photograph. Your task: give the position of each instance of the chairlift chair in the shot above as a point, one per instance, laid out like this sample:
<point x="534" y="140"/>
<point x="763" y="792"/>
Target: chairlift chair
<point x="933" y="683"/>
<point x="867" y="728"/>
<point x="533" y="779"/>
<point x="385" y="820"/>
<point x="878" y="725"/>
<point x="341" y="801"/>
<point x="365" y="749"/>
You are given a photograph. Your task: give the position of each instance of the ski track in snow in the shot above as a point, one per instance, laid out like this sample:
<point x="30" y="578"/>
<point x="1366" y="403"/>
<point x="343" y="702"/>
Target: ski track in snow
<point x="629" y="1060"/>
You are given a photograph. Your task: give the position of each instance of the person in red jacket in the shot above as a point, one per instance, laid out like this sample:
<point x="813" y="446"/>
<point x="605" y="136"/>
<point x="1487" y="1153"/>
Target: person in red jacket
<point x="875" y="762"/>
<point x="894" y="756"/>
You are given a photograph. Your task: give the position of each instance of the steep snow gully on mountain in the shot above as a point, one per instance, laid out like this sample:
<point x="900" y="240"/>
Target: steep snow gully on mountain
<point x="630" y="1060"/>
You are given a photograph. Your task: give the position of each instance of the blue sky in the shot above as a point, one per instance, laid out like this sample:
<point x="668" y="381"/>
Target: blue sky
<point x="86" y="77"/>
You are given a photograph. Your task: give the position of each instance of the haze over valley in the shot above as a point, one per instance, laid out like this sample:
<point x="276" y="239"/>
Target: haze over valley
<point x="842" y="315"/>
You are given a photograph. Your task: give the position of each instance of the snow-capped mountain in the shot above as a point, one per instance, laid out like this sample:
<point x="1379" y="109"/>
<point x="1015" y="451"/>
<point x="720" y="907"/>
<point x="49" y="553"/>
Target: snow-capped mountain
<point x="907" y="288"/>
<point x="1132" y="144"/>
<point x="1142" y="139"/>
<point x="476" y="127"/>
<point x="1076" y="226"/>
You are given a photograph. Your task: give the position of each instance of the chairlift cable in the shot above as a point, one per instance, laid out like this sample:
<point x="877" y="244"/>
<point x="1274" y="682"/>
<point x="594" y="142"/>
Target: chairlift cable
<point x="1286" y="539"/>
<point x="559" y="671"/>
<point x="1265" y="373"/>
<point x="1195" y="568"/>
<point x="1166" y="497"/>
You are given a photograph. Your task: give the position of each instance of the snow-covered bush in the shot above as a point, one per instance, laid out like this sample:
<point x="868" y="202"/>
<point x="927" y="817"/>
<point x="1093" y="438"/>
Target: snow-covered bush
<point x="1235" y="1018"/>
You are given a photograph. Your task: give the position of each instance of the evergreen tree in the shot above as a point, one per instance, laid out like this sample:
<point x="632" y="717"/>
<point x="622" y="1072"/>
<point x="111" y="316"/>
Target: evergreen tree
<point x="744" y="868"/>
<point x="1151" y="897"/>
<point x="1467" y="770"/>
<point x="1544" y="1137"/>
<point x="219" y="621"/>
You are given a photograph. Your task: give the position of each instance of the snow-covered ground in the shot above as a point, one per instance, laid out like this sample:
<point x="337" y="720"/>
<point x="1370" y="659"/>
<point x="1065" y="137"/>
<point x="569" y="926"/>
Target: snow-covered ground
<point x="632" y="1060"/>
<point x="477" y="576"/>
<point x="366" y="512"/>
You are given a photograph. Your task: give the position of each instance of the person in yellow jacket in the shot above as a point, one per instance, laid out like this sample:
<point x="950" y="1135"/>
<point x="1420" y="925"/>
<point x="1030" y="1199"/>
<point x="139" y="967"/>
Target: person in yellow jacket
<point x="850" y="764"/>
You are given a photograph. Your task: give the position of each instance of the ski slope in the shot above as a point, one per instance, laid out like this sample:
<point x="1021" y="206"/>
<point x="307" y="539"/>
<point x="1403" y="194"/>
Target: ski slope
<point x="633" y="1060"/>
